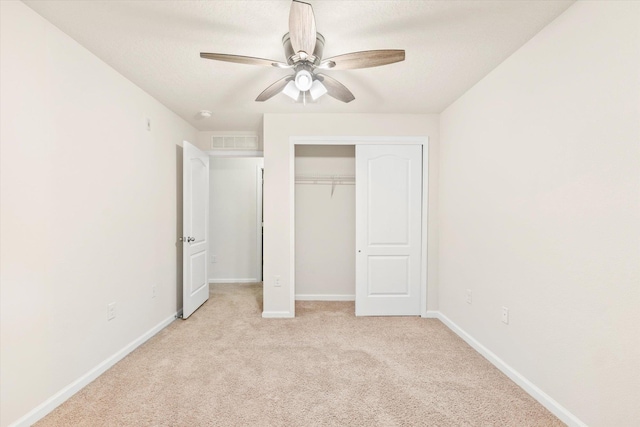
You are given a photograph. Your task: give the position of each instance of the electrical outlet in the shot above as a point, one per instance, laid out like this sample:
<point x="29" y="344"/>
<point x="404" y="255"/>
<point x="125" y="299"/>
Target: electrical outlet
<point x="214" y="259"/>
<point x="154" y="291"/>
<point x="505" y="315"/>
<point x="276" y="281"/>
<point x="469" y="296"/>
<point x="111" y="311"/>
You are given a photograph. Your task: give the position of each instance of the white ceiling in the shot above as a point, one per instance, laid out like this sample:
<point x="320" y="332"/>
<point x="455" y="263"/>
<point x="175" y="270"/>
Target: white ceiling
<point x="450" y="45"/>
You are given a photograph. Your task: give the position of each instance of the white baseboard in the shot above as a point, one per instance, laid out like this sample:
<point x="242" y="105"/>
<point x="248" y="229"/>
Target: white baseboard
<point x="430" y="314"/>
<point x="244" y="280"/>
<point x="60" y="397"/>
<point x="318" y="297"/>
<point x="277" y="315"/>
<point x="543" y="398"/>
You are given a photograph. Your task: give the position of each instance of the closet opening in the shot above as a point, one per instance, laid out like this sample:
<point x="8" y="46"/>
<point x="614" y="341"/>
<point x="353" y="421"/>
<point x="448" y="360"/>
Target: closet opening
<point x="325" y="223"/>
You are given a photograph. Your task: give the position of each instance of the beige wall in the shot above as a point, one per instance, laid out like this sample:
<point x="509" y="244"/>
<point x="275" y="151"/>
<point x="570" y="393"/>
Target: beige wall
<point x="539" y="211"/>
<point x="278" y="128"/>
<point x="88" y="210"/>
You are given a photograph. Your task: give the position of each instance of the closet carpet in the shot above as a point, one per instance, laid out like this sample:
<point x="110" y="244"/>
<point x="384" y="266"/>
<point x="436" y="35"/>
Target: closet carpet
<point x="226" y="366"/>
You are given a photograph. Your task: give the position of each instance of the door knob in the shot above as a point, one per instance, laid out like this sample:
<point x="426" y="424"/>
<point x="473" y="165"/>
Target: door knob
<point x="191" y="239"/>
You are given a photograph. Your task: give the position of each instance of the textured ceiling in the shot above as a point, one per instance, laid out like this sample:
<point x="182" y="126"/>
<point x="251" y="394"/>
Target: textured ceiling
<point x="450" y="45"/>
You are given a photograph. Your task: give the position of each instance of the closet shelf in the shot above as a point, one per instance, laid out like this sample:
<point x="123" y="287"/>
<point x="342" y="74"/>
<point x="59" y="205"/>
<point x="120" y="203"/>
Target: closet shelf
<point x="326" y="179"/>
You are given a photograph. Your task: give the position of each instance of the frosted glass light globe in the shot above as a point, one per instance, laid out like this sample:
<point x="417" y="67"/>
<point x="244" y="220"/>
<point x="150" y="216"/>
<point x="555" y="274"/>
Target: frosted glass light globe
<point x="303" y="80"/>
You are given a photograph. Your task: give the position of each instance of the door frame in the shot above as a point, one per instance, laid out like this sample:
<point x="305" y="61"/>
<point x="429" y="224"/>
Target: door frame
<point x="358" y="140"/>
<point x="259" y="219"/>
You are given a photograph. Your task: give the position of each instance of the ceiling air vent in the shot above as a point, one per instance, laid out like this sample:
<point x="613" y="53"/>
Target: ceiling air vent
<point x="234" y="142"/>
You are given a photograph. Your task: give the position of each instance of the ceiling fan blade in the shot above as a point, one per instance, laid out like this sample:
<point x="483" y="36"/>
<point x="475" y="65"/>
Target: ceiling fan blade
<point x="366" y="59"/>
<point x="274" y="89"/>
<point x="242" y="59"/>
<point x="335" y="89"/>
<point x="302" y="27"/>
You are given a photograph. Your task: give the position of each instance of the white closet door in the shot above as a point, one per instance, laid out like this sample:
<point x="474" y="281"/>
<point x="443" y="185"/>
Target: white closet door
<point x="388" y="229"/>
<point x="195" y="226"/>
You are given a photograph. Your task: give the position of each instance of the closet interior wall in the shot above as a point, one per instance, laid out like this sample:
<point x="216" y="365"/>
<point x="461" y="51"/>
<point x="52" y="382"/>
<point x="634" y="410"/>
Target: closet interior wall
<point x="325" y="222"/>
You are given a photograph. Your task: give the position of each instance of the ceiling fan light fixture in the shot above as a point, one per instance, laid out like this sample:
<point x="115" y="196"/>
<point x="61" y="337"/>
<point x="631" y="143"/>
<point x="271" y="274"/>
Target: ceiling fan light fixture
<point x="303" y="80"/>
<point x="317" y="89"/>
<point x="291" y="91"/>
<point x="304" y="48"/>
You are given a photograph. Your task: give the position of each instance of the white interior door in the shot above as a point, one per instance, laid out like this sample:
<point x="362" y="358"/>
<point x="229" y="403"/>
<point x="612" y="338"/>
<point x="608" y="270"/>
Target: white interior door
<point x="195" y="283"/>
<point x="388" y="229"/>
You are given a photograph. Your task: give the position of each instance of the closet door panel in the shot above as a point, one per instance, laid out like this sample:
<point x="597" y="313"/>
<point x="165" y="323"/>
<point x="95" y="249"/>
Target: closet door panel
<point x="388" y="229"/>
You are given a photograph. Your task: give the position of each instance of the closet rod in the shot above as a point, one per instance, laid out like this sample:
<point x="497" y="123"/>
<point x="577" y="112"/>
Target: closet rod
<point x="326" y="179"/>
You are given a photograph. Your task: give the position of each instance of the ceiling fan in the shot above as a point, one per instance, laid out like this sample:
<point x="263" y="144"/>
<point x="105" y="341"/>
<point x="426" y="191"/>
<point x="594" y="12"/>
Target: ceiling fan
<point x="303" y="48"/>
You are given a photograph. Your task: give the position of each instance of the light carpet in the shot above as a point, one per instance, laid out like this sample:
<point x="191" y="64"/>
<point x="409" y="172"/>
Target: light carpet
<point x="226" y="366"/>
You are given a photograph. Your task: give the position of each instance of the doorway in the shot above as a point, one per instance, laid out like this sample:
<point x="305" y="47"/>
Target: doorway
<point x="235" y="219"/>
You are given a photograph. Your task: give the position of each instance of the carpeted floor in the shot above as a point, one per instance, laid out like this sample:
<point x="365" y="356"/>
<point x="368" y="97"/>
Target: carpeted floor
<point x="226" y="366"/>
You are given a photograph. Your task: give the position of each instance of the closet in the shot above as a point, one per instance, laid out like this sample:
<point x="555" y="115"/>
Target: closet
<point x="359" y="226"/>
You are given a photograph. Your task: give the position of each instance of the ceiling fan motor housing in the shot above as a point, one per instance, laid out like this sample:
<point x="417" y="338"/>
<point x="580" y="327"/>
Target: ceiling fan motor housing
<point x="290" y="54"/>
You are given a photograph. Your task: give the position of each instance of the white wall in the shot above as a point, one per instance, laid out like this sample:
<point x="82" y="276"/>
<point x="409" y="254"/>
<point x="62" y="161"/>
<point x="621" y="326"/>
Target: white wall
<point x="325" y="231"/>
<point x="233" y="231"/>
<point x="278" y="128"/>
<point x="539" y="211"/>
<point x="88" y="210"/>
